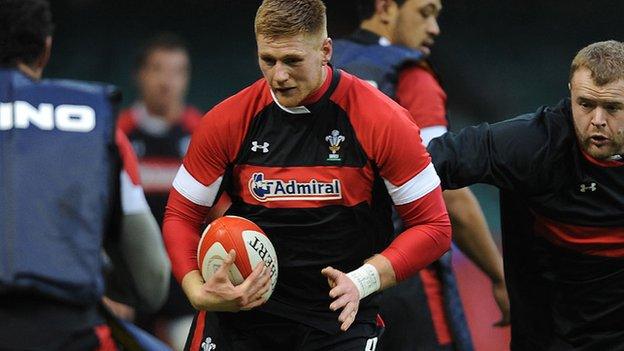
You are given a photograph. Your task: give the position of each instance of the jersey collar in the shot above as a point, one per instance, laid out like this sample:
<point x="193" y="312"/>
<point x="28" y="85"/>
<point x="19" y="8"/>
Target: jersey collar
<point x="614" y="161"/>
<point x="297" y="110"/>
<point x="151" y="124"/>
<point x="316" y="98"/>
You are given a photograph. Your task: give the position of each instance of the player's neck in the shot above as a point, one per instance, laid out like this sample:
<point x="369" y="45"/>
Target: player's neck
<point x="34" y="73"/>
<point x="376" y="26"/>
<point x="326" y="78"/>
<point x="170" y="114"/>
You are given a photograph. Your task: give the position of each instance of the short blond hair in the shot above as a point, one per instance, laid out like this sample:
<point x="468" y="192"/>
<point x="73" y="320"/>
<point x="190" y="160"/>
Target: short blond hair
<point x="604" y="59"/>
<point x="285" y="18"/>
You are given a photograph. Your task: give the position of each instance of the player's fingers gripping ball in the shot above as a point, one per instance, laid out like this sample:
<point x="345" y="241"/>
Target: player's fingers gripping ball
<point x="252" y="246"/>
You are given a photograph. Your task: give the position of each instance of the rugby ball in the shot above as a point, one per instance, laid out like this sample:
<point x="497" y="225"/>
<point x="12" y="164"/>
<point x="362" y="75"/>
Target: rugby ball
<point x="252" y="246"/>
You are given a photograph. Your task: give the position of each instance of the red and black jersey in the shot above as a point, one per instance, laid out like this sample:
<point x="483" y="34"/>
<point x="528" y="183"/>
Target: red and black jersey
<point x="562" y="218"/>
<point x="160" y="148"/>
<point x="306" y="176"/>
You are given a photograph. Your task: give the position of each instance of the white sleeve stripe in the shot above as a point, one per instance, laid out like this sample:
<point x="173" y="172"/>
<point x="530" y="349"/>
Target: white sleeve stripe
<point x="132" y="197"/>
<point x="195" y="191"/>
<point x="422" y="184"/>
<point x="429" y="133"/>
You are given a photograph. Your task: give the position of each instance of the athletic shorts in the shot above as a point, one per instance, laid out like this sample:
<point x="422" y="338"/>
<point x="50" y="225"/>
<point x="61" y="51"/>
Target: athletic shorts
<point x="31" y="322"/>
<point x="260" y="331"/>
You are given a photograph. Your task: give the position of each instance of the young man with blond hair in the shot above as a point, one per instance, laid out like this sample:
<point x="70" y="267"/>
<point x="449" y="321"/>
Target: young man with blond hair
<point x="340" y="142"/>
<point x="561" y="176"/>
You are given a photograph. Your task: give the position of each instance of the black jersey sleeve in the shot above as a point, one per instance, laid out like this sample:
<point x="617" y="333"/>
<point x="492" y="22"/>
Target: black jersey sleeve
<point x="511" y="155"/>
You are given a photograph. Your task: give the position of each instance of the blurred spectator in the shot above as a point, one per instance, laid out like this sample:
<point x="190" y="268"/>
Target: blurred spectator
<point x="159" y="126"/>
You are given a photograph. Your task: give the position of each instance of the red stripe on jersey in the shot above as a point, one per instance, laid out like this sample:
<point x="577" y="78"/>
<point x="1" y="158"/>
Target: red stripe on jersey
<point x="384" y="129"/>
<point x="421" y="94"/>
<point x="598" y="241"/>
<point x="293" y="187"/>
<point x="157" y="173"/>
<point x="128" y="157"/>
<point x="198" y="332"/>
<point x="433" y="290"/>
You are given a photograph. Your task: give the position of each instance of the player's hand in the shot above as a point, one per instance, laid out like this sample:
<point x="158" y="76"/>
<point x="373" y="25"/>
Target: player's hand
<point x="345" y="295"/>
<point x="118" y="309"/>
<point x="219" y="294"/>
<point x="499" y="289"/>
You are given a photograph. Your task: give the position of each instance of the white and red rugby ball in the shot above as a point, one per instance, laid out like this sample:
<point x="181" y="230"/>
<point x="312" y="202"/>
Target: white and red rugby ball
<point x="247" y="239"/>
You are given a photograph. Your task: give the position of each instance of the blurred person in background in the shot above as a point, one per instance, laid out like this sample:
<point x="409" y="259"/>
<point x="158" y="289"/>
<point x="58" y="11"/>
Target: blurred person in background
<point x="69" y="188"/>
<point x="560" y="171"/>
<point x="390" y="50"/>
<point x="159" y="126"/>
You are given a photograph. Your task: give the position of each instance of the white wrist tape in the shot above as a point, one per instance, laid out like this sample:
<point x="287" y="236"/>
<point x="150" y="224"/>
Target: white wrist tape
<point x="366" y="279"/>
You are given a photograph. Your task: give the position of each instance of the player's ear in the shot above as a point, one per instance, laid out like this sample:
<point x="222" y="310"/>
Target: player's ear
<point x="43" y="58"/>
<point x="326" y="51"/>
<point x="47" y="52"/>
<point x="381" y="6"/>
<point x="385" y="9"/>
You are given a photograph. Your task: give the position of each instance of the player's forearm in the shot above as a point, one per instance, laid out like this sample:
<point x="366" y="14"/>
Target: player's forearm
<point x="418" y="247"/>
<point x="181" y="227"/>
<point x="143" y="250"/>
<point x="192" y="284"/>
<point x="471" y="233"/>
<point x="387" y="277"/>
<point x="427" y="237"/>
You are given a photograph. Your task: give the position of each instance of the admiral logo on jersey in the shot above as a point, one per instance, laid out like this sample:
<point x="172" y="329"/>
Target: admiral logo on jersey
<point x="278" y="190"/>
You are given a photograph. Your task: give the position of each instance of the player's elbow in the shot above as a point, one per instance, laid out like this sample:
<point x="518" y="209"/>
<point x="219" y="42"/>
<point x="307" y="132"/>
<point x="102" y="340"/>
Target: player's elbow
<point x="154" y="293"/>
<point x="445" y="236"/>
<point x="440" y="232"/>
<point x="419" y="246"/>
<point x="439" y="229"/>
<point x="145" y="256"/>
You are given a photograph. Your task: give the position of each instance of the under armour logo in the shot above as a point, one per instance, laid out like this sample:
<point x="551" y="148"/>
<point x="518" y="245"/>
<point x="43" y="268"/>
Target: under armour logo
<point x="208" y="345"/>
<point x="584" y="188"/>
<point x="264" y="147"/>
